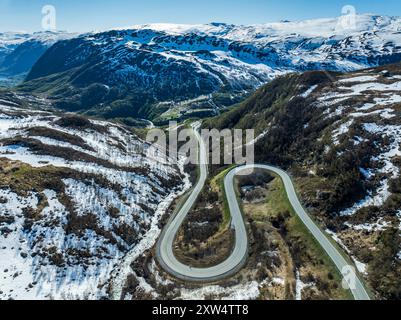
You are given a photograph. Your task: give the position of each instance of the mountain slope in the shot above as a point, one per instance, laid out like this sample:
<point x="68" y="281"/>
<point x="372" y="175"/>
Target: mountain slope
<point x="20" y="51"/>
<point x="155" y="71"/>
<point x="339" y="135"/>
<point x="76" y="196"/>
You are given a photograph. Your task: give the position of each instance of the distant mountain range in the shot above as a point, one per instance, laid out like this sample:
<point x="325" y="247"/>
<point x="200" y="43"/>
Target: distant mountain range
<point x="156" y="71"/>
<point x="20" y="51"/>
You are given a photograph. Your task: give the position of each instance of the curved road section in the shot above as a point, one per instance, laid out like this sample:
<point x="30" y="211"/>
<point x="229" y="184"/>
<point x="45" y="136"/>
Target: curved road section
<point x="356" y="286"/>
<point x="238" y="257"/>
<point x="164" y="248"/>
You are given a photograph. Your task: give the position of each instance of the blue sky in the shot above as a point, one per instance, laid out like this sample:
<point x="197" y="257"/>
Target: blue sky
<point x="87" y="15"/>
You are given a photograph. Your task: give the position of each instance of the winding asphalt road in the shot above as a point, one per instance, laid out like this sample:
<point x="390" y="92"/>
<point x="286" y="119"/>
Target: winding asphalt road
<point x="238" y="257"/>
<point x="164" y="248"/>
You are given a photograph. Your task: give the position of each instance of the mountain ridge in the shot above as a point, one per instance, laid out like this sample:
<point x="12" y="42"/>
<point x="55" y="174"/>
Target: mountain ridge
<point x="20" y="51"/>
<point x="151" y="65"/>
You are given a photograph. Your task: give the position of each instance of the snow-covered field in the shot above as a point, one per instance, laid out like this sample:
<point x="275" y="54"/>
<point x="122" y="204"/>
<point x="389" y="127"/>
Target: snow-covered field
<point x="66" y="244"/>
<point x="283" y="45"/>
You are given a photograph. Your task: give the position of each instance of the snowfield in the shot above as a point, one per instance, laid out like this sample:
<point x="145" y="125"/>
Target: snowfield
<point x="67" y="242"/>
<point x="248" y="290"/>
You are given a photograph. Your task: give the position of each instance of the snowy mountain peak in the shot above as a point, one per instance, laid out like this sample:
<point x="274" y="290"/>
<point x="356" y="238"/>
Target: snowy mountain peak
<point x="324" y="27"/>
<point x="50" y="37"/>
<point x="167" y="65"/>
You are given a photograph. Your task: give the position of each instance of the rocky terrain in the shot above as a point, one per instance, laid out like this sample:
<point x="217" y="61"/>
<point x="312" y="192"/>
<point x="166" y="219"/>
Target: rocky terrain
<point x="76" y="196"/>
<point x="338" y="134"/>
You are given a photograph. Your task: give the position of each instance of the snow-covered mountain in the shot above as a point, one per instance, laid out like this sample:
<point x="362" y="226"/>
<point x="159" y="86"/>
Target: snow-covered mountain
<point x="76" y="196"/>
<point x="158" y="69"/>
<point x="302" y="44"/>
<point x="20" y="51"/>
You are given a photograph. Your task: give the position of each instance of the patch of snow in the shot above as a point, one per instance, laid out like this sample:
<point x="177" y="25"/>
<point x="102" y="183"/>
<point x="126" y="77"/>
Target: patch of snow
<point x="383" y="113"/>
<point x="248" y="291"/>
<point x="308" y="92"/>
<point x="361" y="267"/>
<point x="300" y="286"/>
<point x="382" y="194"/>
<point x="259" y="137"/>
<point x="343" y="129"/>
<point x="368" y="174"/>
<point x="359" y="79"/>
<point x="380" y="225"/>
